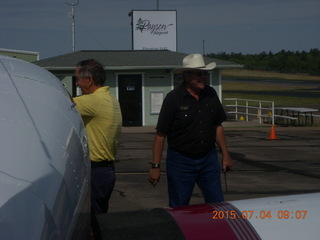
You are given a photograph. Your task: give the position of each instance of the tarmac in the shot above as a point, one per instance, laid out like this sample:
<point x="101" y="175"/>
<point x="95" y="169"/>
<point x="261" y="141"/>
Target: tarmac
<point x="262" y="167"/>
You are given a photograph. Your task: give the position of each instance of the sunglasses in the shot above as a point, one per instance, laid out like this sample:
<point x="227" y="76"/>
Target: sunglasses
<point x="199" y="73"/>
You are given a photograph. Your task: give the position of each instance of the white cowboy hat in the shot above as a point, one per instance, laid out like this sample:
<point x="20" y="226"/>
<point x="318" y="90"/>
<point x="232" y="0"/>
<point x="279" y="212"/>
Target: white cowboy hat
<point x="194" y="61"/>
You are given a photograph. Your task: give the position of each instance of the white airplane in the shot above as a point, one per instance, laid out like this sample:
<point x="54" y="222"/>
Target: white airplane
<point x="44" y="166"/>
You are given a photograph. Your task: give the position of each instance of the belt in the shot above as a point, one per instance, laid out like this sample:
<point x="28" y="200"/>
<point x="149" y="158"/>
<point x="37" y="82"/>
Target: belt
<point x="105" y="163"/>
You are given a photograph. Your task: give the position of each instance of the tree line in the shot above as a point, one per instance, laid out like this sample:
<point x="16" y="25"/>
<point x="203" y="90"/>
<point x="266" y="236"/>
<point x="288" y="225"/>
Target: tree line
<point x="283" y="61"/>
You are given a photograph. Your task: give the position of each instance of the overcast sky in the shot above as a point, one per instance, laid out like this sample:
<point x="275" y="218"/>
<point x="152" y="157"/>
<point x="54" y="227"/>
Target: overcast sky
<point x="246" y="26"/>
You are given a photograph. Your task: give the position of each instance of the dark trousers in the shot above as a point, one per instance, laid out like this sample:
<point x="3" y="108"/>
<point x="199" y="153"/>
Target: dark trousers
<point x="102" y="184"/>
<point x="183" y="173"/>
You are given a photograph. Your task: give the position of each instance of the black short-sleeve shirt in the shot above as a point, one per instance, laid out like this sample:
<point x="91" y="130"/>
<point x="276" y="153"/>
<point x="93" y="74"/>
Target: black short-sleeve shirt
<point x="190" y="124"/>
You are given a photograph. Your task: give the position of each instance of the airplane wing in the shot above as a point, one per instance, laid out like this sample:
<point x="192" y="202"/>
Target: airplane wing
<point x="291" y="217"/>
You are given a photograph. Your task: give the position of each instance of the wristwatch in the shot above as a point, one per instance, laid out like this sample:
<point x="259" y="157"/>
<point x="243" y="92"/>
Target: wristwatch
<point x="155" y="165"/>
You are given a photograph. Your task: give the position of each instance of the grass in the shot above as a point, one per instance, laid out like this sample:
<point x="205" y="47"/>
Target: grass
<point x="245" y="73"/>
<point x="280" y="94"/>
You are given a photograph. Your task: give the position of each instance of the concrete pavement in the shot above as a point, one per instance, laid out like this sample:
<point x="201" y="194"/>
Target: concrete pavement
<point x="261" y="167"/>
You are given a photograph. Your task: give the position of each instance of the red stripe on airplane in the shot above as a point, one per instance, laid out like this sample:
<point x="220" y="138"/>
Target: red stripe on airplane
<point x="202" y="222"/>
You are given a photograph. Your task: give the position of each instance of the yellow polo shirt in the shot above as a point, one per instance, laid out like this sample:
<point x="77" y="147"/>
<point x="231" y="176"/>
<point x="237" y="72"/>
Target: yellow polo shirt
<point x="101" y="114"/>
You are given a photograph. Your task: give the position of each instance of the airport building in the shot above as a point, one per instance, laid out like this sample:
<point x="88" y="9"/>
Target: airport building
<point x="139" y="79"/>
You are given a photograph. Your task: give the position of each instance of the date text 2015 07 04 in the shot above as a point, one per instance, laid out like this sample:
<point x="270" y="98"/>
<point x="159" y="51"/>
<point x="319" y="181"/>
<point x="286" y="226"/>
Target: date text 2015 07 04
<point x="262" y="214"/>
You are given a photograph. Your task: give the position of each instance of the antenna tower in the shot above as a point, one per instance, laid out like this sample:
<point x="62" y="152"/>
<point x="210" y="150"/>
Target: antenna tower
<point x="73" y="16"/>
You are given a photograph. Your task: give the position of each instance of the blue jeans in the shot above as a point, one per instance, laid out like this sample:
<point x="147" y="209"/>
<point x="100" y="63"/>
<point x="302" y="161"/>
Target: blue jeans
<point x="184" y="172"/>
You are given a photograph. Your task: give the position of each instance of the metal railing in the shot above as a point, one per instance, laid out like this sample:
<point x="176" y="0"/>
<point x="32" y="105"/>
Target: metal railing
<point x="248" y="107"/>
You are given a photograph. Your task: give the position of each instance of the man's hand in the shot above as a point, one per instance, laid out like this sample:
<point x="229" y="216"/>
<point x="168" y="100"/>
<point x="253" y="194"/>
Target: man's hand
<point x="226" y="162"/>
<point x="154" y="176"/>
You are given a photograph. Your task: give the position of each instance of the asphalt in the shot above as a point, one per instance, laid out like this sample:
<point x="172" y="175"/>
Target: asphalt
<point x="262" y="167"/>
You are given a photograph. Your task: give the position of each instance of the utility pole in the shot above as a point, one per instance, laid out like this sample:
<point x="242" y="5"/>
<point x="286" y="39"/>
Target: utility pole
<point x="158" y="5"/>
<point x="203" y="49"/>
<point x="73" y="16"/>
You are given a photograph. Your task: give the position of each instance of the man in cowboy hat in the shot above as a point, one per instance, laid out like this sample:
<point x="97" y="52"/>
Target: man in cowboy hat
<point x="190" y="119"/>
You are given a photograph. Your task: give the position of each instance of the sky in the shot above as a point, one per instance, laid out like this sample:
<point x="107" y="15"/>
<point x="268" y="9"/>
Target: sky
<point x="204" y="26"/>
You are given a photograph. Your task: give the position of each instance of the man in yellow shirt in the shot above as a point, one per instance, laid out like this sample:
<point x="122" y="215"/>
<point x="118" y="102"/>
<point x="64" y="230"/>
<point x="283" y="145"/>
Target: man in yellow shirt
<point x="101" y="115"/>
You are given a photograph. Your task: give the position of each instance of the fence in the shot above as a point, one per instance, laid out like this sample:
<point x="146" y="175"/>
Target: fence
<point x="255" y="108"/>
<point x="265" y="110"/>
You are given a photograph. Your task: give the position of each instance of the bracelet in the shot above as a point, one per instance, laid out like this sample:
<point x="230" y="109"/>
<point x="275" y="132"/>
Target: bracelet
<point x="155" y="165"/>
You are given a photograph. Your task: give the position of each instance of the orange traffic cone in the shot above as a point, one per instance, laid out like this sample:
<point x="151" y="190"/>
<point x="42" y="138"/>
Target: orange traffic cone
<point x="272" y="133"/>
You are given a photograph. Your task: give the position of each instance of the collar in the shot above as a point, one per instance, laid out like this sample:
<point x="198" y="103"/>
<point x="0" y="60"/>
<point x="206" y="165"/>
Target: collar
<point x="102" y="89"/>
<point x="184" y="92"/>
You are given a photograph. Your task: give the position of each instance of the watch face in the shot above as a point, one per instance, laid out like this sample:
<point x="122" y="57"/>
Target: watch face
<point x="155" y="165"/>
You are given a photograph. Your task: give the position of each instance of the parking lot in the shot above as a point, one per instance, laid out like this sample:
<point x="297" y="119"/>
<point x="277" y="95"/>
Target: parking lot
<point x="261" y="167"/>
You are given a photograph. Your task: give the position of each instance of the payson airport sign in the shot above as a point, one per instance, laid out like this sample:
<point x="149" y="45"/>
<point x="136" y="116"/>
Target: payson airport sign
<point x="154" y="30"/>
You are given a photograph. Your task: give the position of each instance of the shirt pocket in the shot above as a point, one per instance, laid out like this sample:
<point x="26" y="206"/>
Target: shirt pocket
<point x="183" y="118"/>
<point x="212" y="112"/>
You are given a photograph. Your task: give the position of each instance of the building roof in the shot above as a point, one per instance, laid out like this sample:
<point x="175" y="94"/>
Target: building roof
<point x="20" y="54"/>
<point x="126" y="60"/>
